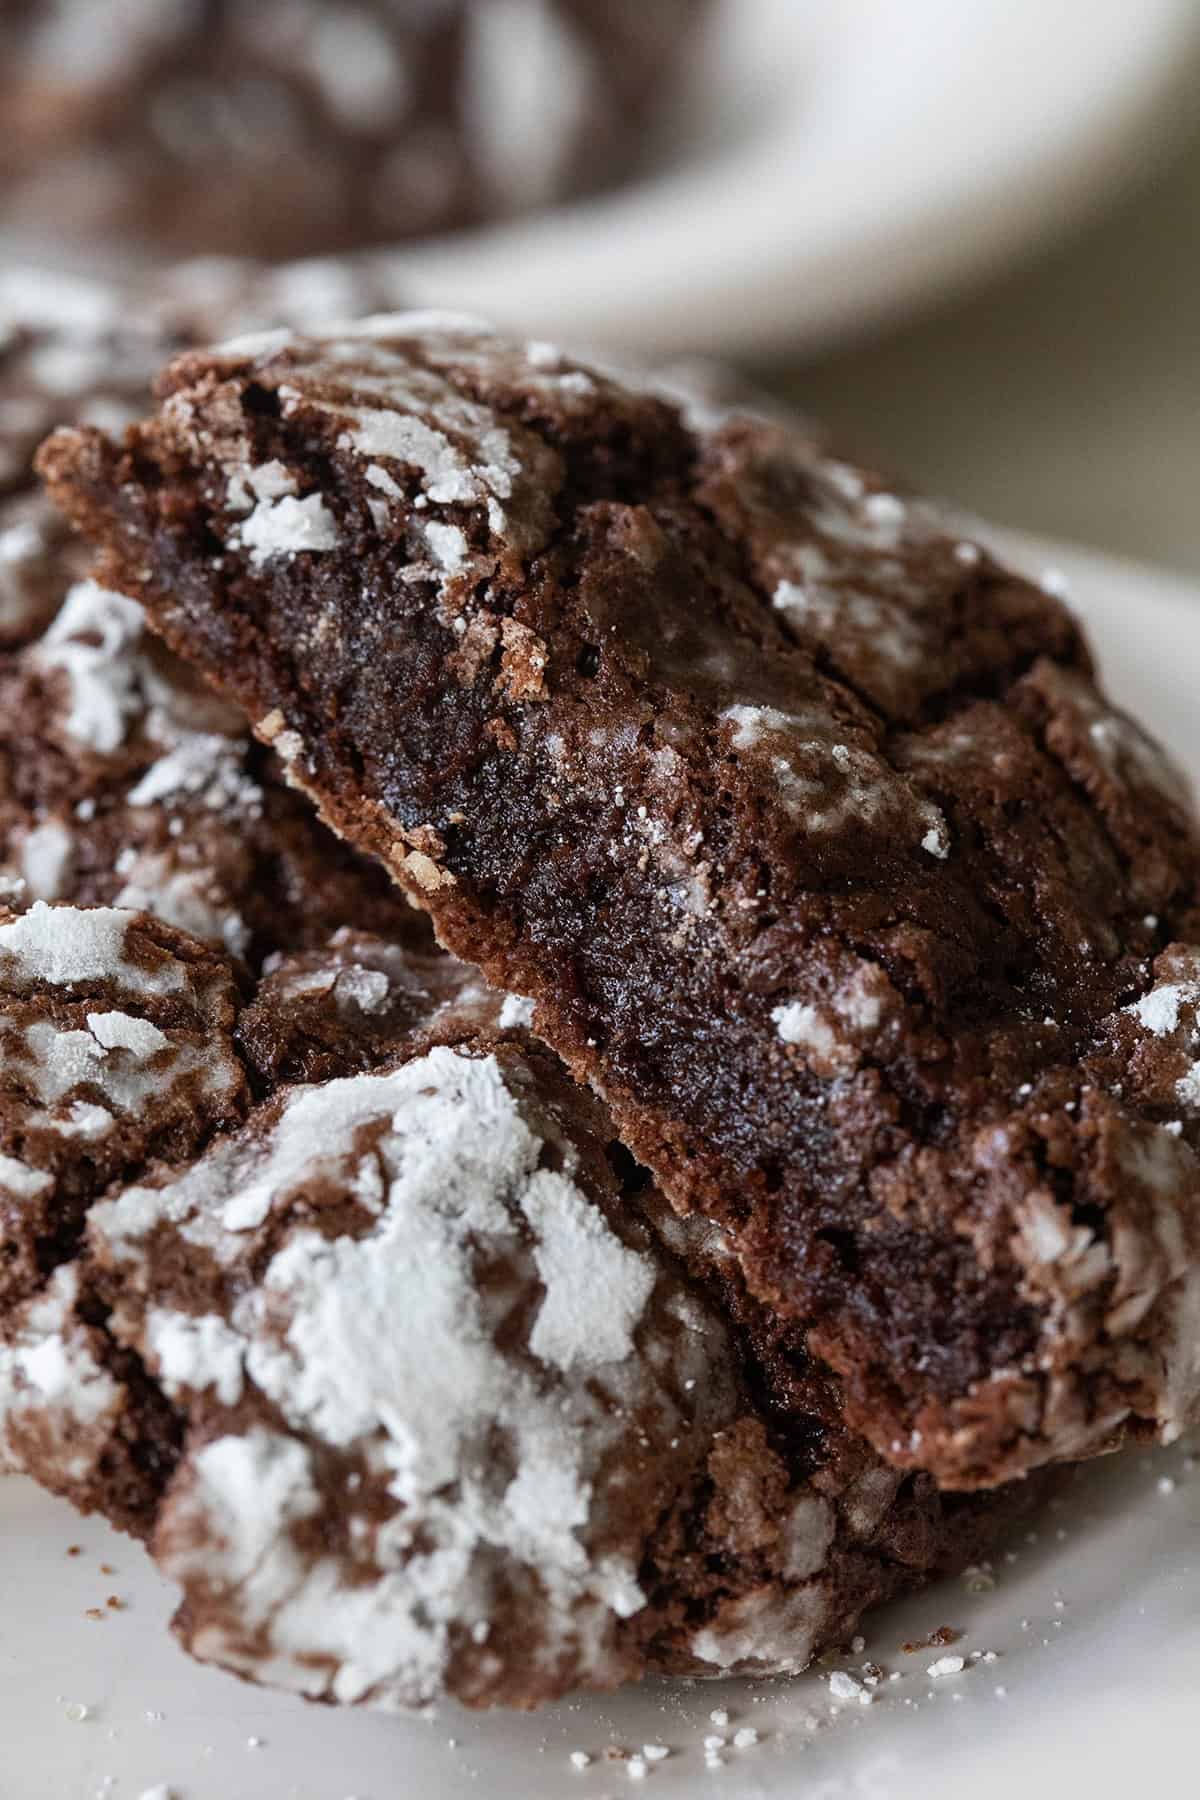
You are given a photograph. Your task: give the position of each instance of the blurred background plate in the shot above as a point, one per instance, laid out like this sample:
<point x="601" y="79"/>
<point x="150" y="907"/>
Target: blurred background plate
<point x="1093" y="1622"/>
<point x="835" y="163"/>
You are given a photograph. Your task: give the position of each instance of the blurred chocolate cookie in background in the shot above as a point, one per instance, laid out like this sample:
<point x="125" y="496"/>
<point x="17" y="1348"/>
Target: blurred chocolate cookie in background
<point x="293" y="127"/>
<point x="82" y="350"/>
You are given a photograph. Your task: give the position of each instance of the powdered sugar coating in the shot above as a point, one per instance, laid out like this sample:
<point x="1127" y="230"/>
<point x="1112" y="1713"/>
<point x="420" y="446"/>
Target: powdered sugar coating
<point x="1172" y="1001"/>
<point x="114" y="1045"/>
<point x="47" y="853"/>
<point x="379" y="1345"/>
<point x="840" y="1019"/>
<point x="19" y="1181"/>
<point x="117" y="685"/>
<point x="104" y="1012"/>
<point x="402" y="423"/>
<point x="770" y="1632"/>
<point x="31" y="549"/>
<point x="514" y="1011"/>
<point x="286" y="525"/>
<point x="269" y="481"/>
<point x="192" y="899"/>
<point x="416" y="1404"/>
<point x="1138" y="1273"/>
<point x="71" y="945"/>
<point x="89" y="641"/>
<point x="120" y="1031"/>
<point x="59" y="1405"/>
<point x="827" y="785"/>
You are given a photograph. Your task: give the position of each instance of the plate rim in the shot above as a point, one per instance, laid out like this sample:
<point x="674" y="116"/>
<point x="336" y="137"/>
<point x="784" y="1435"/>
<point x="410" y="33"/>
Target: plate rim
<point x="1032" y="176"/>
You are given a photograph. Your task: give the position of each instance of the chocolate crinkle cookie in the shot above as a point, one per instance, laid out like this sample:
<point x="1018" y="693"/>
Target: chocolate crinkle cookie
<point x="292" y="126"/>
<point x="123" y="779"/>
<point x="127" y="782"/>
<point x="410" y="1381"/>
<point x="115" y="1047"/>
<point x="803" y="822"/>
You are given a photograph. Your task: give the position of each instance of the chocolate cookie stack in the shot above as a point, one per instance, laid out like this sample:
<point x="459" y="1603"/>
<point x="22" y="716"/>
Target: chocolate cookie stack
<point x="777" y="1161"/>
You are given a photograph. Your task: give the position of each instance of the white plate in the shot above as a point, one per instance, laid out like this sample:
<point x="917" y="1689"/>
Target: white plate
<point x="1096" y="1625"/>
<point x="842" y="160"/>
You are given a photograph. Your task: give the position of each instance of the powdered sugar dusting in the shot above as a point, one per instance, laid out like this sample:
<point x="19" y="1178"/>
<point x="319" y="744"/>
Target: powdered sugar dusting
<point x="827" y="785"/>
<point x="770" y="1631"/>
<point x="90" y="642"/>
<point x="25" y="544"/>
<point x="129" y="1062"/>
<point x="66" y="944"/>
<point x="267" y="481"/>
<point x="187" y="896"/>
<point x="799" y="1023"/>
<point x="406" y="421"/>
<point x="381" y="1344"/>
<point x="596" y="1289"/>
<point x="46" y="856"/>
<point x="447" y="545"/>
<point x="19" y="1180"/>
<point x="147" y="752"/>
<point x="53" y="1391"/>
<point x="120" y="1031"/>
<point x="451" y="475"/>
<point x="202" y="764"/>
<point x="515" y="1012"/>
<point x="528" y="89"/>
<point x="285" y="526"/>
<point x="196" y="1353"/>
<point x="1160" y="1009"/>
<point x="832" y="1026"/>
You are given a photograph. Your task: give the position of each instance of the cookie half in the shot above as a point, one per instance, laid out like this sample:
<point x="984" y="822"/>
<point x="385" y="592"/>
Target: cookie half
<point x="802" y="820"/>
